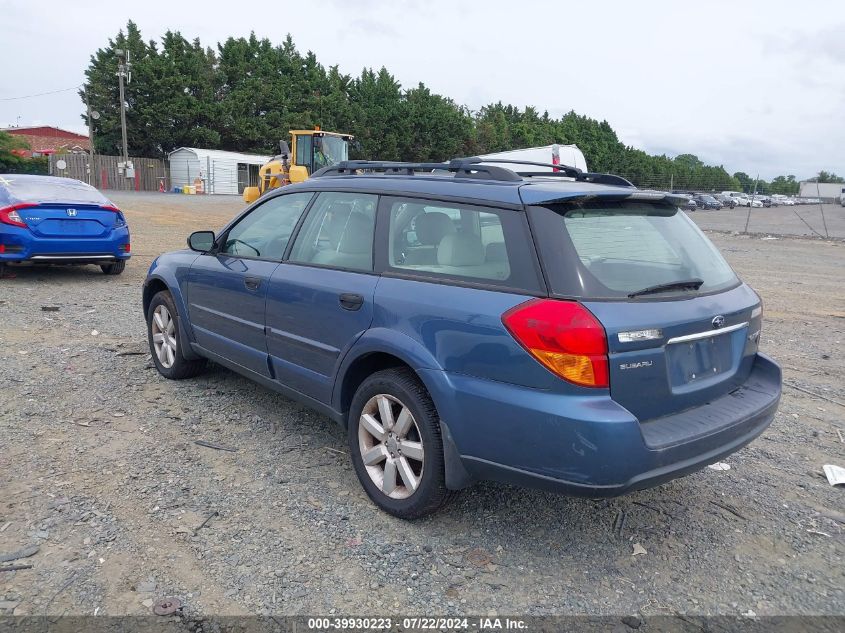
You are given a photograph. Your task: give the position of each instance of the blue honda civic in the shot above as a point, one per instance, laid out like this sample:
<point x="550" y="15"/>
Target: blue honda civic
<point x="50" y="220"/>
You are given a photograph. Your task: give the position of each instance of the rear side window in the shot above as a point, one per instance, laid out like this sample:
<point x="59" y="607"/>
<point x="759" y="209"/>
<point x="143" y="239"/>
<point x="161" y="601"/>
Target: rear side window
<point x="463" y="242"/>
<point x="601" y="249"/>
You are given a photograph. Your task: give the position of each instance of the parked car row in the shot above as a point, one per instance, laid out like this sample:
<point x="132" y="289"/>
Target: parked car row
<point x="732" y="199"/>
<point x="704" y="201"/>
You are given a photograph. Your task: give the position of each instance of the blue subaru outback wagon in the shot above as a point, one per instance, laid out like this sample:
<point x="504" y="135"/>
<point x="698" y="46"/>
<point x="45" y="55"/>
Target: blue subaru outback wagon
<point x="465" y="322"/>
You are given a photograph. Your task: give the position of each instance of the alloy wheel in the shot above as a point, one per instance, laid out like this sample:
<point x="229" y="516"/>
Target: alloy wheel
<point x="164" y="336"/>
<point x="391" y="446"/>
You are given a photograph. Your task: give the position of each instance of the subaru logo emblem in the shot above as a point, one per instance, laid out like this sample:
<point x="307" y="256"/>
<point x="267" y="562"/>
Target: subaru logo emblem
<point x="71" y="212"/>
<point x="718" y="321"/>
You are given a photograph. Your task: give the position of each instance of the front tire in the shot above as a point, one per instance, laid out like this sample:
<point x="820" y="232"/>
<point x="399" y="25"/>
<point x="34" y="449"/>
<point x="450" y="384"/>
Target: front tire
<point x="395" y="444"/>
<point x="166" y="342"/>
<point x="114" y="269"/>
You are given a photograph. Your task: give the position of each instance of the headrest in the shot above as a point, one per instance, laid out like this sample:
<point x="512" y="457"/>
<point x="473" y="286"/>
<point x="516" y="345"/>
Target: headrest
<point x="496" y="252"/>
<point x="432" y="227"/>
<point x="459" y="249"/>
<point x="357" y="237"/>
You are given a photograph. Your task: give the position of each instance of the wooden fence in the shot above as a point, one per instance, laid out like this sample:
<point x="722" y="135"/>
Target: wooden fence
<point x="104" y="173"/>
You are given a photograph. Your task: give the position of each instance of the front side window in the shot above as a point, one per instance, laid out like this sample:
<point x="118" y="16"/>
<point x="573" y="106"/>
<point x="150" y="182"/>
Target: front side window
<point x="338" y="232"/>
<point x="265" y="232"/>
<point x="475" y="244"/>
<point x="599" y="249"/>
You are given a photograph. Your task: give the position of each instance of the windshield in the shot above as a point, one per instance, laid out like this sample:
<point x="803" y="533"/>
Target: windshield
<point x="329" y="150"/>
<point x="601" y="249"/>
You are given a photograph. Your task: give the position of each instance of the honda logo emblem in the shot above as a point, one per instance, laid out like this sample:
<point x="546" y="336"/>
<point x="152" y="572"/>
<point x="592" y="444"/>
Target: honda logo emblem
<point x="71" y="212"/>
<point x="718" y="321"/>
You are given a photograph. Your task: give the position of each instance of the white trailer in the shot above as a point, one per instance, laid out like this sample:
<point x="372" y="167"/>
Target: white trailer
<point x="568" y="155"/>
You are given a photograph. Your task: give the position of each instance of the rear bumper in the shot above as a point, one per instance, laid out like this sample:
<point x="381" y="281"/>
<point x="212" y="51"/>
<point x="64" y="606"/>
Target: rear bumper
<point x="22" y="246"/>
<point x="591" y="446"/>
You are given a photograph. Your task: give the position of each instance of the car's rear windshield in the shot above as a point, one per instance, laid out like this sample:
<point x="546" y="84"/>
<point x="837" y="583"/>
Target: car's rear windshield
<point x="614" y="249"/>
<point x="44" y="189"/>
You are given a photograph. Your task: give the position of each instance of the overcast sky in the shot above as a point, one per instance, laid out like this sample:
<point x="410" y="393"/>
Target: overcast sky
<point x="758" y="86"/>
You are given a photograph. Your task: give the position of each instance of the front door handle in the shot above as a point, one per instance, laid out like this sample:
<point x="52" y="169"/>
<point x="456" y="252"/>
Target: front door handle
<point x="351" y="301"/>
<point x="252" y="283"/>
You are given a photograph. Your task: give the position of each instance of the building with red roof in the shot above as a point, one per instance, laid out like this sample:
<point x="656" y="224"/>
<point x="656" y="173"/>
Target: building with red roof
<point x="45" y="139"/>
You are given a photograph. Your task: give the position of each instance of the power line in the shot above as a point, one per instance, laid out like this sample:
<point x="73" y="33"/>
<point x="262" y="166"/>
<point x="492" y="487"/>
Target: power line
<point x="40" y="94"/>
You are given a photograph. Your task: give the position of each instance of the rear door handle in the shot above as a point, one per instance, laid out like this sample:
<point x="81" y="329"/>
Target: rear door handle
<point x="252" y="283"/>
<point x="351" y="301"/>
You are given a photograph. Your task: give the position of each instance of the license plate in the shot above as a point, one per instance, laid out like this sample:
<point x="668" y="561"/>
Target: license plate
<point x="698" y="360"/>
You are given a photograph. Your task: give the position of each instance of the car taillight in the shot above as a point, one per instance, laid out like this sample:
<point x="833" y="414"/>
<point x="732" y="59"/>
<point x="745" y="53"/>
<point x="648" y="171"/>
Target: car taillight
<point x="564" y="337"/>
<point x="10" y="215"/>
<point x="109" y="207"/>
<point x="126" y="247"/>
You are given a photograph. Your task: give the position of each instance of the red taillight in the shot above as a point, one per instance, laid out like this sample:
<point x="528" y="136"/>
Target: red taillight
<point x="109" y="207"/>
<point x="126" y="247"/>
<point x="10" y="215"/>
<point x="2" y="248"/>
<point x="564" y="337"/>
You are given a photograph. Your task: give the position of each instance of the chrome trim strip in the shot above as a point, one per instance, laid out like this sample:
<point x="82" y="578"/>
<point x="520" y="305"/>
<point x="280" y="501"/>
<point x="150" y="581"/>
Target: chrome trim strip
<point x="53" y="257"/>
<point x="700" y="335"/>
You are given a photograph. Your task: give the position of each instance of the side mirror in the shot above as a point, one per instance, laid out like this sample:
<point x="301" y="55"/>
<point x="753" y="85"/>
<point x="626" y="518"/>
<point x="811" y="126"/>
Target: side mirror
<point x="298" y="173"/>
<point x="251" y="194"/>
<point x="202" y="241"/>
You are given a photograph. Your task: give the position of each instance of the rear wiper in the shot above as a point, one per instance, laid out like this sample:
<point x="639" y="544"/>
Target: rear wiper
<point x="684" y="284"/>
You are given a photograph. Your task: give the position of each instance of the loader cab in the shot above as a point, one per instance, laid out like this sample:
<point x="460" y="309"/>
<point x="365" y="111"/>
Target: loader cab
<point x="315" y="149"/>
<point x="310" y="150"/>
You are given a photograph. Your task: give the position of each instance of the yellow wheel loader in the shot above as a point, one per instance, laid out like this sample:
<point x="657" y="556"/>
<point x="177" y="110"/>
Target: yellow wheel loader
<point x="309" y="151"/>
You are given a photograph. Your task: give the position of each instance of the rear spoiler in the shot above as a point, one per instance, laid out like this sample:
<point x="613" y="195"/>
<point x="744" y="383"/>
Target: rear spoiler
<point x="533" y="195"/>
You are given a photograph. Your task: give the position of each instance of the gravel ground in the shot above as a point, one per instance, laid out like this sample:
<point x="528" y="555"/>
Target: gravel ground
<point x="100" y="471"/>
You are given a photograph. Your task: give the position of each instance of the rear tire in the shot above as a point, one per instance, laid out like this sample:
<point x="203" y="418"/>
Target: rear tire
<point x="394" y="426"/>
<point x="165" y="339"/>
<point x="114" y="269"/>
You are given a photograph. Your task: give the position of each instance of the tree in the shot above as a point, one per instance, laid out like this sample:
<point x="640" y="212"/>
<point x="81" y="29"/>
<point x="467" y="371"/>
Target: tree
<point x="246" y="93"/>
<point x="824" y="176"/>
<point x="11" y="162"/>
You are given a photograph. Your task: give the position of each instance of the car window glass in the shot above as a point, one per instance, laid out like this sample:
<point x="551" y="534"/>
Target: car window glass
<point x="449" y="240"/>
<point x="303" y="151"/>
<point x="265" y="232"/>
<point x="622" y="247"/>
<point x="338" y="232"/>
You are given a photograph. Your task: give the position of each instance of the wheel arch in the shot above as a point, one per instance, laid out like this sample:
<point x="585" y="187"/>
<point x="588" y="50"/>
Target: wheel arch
<point x="378" y="349"/>
<point x="155" y="284"/>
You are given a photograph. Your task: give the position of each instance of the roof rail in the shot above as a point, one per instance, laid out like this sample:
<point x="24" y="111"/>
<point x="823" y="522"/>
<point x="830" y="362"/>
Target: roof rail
<point x="473" y="167"/>
<point x="565" y="171"/>
<point x="458" y="166"/>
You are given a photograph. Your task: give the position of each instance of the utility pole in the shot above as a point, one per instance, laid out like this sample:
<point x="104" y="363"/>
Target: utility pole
<point x="122" y="69"/>
<point x="90" y="139"/>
